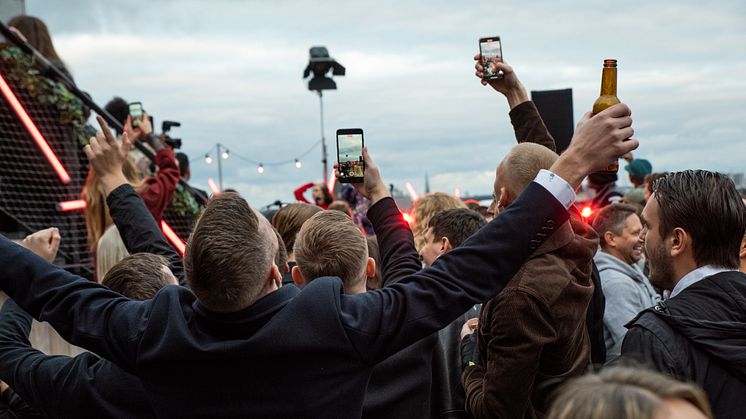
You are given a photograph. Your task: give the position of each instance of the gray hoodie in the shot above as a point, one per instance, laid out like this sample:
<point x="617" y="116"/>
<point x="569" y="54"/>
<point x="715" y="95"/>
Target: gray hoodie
<point x="627" y="293"/>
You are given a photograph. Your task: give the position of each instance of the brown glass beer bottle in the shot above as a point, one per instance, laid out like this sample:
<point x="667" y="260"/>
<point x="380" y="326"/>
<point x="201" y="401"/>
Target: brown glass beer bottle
<point x="607" y="99"/>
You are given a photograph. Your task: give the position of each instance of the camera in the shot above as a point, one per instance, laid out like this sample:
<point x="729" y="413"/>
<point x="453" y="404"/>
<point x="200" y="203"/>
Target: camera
<point x="166" y="126"/>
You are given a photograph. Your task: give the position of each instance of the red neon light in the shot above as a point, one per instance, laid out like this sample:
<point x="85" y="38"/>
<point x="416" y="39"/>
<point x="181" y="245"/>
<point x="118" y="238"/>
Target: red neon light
<point x="173" y="237"/>
<point x="408" y="218"/>
<point x="586" y="212"/>
<point x="40" y="141"/>
<point x="78" y="204"/>
<point x="213" y="187"/>
<point x="412" y="192"/>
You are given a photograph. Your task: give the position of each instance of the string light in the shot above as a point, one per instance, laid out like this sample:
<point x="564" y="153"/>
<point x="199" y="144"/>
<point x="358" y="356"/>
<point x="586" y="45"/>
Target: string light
<point x="260" y="169"/>
<point x="208" y="159"/>
<point x="297" y="164"/>
<point x="226" y="154"/>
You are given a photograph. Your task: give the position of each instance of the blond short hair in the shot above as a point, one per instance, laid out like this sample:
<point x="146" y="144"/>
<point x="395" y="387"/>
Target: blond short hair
<point x="523" y="163"/>
<point x="329" y="244"/>
<point x="426" y="208"/>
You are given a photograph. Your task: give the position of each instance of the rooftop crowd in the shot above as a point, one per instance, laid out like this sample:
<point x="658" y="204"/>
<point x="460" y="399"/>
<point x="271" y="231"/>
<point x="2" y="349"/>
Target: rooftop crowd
<point x="525" y="309"/>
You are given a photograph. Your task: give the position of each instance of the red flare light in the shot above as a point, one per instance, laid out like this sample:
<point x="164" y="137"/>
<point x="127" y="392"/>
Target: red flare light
<point x="213" y="187"/>
<point x="586" y="212"/>
<point x="77" y="204"/>
<point x="173" y="238"/>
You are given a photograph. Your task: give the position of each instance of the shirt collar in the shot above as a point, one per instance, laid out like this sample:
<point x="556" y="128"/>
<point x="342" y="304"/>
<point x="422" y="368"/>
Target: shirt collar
<point x="695" y="276"/>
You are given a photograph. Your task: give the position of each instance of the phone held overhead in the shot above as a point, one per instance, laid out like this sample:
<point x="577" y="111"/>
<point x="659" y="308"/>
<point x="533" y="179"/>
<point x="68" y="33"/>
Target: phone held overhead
<point x="350" y="155"/>
<point x="136" y="112"/>
<point x="491" y="51"/>
<point x="607" y="98"/>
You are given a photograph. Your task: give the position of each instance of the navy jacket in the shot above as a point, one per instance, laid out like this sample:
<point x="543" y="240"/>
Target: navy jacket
<point x="85" y="385"/>
<point x="317" y="345"/>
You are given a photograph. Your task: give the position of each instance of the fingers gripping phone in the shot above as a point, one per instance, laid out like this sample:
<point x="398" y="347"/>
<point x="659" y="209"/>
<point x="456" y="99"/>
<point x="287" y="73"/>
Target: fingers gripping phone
<point x="492" y="53"/>
<point x="136" y="112"/>
<point x="350" y="155"/>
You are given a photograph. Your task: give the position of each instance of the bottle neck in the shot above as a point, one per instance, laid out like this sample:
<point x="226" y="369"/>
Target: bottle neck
<point x="608" y="81"/>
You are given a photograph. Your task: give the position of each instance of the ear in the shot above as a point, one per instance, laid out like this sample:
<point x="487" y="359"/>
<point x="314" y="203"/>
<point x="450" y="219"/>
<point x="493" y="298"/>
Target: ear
<point x="609" y="238"/>
<point x="445" y="245"/>
<point x="370" y="268"/>
<point x="275" y="275"/>
<point x="297" y="276"/>
<point x="680" y="241"/>
<point x="504" y="198"/>
<point x="742" y="254"/>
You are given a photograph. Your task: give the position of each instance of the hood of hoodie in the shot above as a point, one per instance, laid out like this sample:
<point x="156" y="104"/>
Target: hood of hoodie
<point x="712" y="314"/>
<point x="605" y="261"/>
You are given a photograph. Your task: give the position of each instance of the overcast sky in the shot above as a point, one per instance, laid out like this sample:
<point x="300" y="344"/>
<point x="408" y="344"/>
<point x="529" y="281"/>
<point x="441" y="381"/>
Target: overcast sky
<point x="231" y="72"/>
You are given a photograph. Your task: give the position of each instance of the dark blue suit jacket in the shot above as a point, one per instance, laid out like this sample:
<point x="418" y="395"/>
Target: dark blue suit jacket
<point x="293" y="353"/>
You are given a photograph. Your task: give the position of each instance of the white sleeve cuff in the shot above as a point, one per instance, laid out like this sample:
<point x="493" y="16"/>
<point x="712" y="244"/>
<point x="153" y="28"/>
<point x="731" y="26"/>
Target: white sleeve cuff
<point x="557" y="187"/>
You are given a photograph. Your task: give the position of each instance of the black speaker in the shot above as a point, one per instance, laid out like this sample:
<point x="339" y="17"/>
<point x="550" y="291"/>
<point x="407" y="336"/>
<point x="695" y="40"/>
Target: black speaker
<point x="555" y="108"/>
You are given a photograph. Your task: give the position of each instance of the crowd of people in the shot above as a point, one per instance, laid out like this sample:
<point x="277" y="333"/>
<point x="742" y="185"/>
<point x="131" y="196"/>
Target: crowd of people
<point x="526" y="309"/>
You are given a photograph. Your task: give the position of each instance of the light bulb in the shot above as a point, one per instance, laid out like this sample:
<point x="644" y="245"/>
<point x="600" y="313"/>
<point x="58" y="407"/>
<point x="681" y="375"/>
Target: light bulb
<point x="260" y="169"/>
<point x="208" y="159"/>
<point x="226" y="155"/>
<point x="297" y="164"/>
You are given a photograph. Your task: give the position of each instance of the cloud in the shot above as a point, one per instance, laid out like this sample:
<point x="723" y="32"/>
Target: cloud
<point x="230" y="71"/>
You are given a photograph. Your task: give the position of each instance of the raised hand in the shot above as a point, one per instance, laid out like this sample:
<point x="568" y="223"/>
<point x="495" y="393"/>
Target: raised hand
<point x="45" y="243"/>
<point x="599" y="140"/>
<point x="509" y="85"/>
<point x="107" y="156"/>
<point x="372" y="186"/>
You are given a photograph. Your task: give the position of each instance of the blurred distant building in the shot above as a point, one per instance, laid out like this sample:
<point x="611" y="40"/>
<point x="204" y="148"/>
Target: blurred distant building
<point x="739" y="179"/>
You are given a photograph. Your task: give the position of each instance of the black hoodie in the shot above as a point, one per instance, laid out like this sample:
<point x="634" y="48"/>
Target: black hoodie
<point x="700" y="336"/>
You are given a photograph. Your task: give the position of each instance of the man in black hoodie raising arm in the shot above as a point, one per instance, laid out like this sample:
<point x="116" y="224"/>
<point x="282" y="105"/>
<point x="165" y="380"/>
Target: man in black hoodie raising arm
<point x="693" y="227"/>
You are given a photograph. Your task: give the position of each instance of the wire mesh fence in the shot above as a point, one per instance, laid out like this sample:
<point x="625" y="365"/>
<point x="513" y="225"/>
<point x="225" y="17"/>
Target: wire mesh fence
<point x="31" y="188"/>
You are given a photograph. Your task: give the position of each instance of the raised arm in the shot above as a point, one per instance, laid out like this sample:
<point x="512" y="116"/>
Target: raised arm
<point x="527" y="123"/>
<point x="381" y="322"/>
<point x="399" y="257"/>
<point x="136" y="225"/>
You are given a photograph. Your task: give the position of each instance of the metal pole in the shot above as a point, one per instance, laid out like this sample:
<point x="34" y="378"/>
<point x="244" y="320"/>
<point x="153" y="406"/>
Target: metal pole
<point x="220" y="168"/>
<point x="323" y="139"/>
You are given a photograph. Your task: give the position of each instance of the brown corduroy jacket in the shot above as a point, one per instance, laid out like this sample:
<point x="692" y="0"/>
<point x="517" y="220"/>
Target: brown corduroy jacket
<point x="532" y="336"/>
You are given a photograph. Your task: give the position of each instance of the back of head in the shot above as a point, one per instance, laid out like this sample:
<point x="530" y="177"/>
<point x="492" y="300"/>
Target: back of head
<point x="230" y="254"/>
<point x="341" y="206"/>
<point x="708" y="207"/>
<point x="119" y="109"/>
<point x="524" y="161"/>
<point x="290" y="218"/>
<point x="456" y="224"/>
<point x="623" y="393"/>
<point x="138" y="277"/>
<point x="329" y="244"/>
<point x="109" y="251"/>
<point x="425" y="208"/>
<point x="37" y="35"/>
<point x="612" y="218"/>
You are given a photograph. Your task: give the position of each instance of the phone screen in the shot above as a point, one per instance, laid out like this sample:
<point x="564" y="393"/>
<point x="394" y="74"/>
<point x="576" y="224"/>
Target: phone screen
<point x="350" y="155"/>
<point x="492" y="53"/>
<point x="136" y="110"/>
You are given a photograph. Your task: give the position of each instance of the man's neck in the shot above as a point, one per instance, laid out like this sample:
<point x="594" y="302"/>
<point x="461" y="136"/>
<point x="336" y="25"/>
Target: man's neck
<point x="613" y="252"/>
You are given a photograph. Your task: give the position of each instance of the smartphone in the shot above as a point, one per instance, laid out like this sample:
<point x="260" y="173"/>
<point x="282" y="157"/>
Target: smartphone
<point x="350" y="155"/>
<point x="492" y="53"/>
<point x="136" y="113"/>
